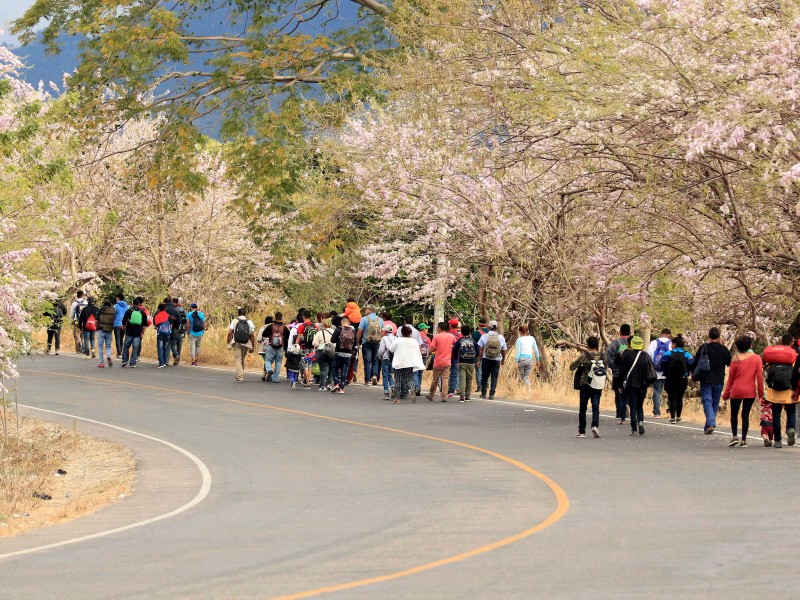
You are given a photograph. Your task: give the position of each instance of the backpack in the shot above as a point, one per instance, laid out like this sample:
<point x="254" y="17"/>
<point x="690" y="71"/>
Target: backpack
<point x="136" y="317"/>
<point x="779" y="377"/>
<point x="165" y="327"/>
<point x="703" y="367"/>
<point x="347" y="339"/>
<point x="677" y="366"/>
<point x="374" y="333"/>
<point x="241" y="333"/>
<point x="76" y="314"/>
<point x="466" y="350"/>
<point x="493" y="347"/>
<point x="658" y="356"/>
<point x="597" y="374"/>
<point x="197" y="323"/>
<point x="276" y="339"/>
<point x="424" y="349"/>
<point x="328" y="348"/>
<point x="182" y="321"/>
<point x="91" y="323"/>
<point x="308" y="335"/>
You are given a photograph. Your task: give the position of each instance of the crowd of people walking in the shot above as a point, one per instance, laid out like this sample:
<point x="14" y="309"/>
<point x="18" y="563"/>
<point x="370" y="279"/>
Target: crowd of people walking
<point x="324" y="349"/>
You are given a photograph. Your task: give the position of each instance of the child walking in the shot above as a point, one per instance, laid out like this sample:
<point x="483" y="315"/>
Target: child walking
<point x="766" y="422"/>
<point x="294" y="358"/>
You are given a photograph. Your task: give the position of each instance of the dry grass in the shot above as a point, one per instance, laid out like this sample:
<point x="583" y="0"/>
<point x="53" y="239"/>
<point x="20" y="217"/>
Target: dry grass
<point x="97" y="473"/>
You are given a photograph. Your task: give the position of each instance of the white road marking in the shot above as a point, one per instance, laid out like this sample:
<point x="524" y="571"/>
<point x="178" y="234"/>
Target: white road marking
<point x="205" y="487"/>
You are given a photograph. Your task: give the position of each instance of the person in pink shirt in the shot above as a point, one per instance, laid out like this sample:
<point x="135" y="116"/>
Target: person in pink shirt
<point x="441" y="347"/>
<point x="745" y="384"/>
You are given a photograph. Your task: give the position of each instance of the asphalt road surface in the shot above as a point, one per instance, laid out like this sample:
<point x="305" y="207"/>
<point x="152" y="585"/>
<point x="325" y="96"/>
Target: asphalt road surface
<point x="254" y="491"/>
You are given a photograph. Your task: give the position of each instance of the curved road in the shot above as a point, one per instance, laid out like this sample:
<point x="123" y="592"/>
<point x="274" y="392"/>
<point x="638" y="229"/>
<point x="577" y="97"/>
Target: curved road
<point x="302" y="494"/>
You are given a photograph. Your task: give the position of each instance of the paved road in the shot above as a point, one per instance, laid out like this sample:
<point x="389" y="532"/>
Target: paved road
<point x="311" y="491"/>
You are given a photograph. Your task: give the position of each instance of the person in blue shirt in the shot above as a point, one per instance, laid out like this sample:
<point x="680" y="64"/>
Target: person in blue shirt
<point x="120" y="308"/>
<point x="195" y="328"/>
<point x="676" y="364"/>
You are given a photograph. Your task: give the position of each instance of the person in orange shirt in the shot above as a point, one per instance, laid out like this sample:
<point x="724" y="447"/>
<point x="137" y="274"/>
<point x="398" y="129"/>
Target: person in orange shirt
<point x="352" y="311"/>
<point x="442" y="348"/>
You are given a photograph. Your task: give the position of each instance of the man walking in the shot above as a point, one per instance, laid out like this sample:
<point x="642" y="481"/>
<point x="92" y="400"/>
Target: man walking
<point x="613" y="354"/>
<point x="74" y="315"/>
<point x="710" y="362"/>
<point x="476" y="337"/>
<point x="492" y="351"/>
<point x="135" y="320"/>
<point x="442" y="347"/>
<point x="452" y="384"/>
<point x="196" y="327"/>
<point x="56" y="313"/>
<point x="277" y="342"/>
<point x="120" y="308"/>
<point x="178" y="331"/>
<point x="370" y="332"/>
<point x="657" y="349"/>
<point x="467" y="352"/>
<point x="241" y="339"/>
<point x="105" y="333"/>
<point x="88" y="324"/>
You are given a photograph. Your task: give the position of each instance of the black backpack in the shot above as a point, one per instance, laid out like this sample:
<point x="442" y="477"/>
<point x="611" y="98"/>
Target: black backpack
<point x="308" y="336"/>
<point x="466" y="349"/>
<point x="197" y="322"/>
<point x="182" y="322"/>
<point x="241" y="333"/>
<point x="779" y="377"/>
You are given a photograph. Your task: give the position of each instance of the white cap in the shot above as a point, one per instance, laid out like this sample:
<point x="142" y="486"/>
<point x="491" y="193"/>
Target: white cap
<point x="492" y="324"/>
<point x="388" y="328"/>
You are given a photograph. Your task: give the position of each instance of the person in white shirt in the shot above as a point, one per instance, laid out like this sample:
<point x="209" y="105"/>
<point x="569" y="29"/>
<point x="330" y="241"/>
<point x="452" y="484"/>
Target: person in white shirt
<point x="657" y="349"/>
<point x="526" y="350"/>
<point x="242" y="340"/>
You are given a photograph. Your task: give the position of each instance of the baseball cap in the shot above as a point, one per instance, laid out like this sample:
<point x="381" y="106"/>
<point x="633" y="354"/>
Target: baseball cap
<point x="422" y="326"/>
<point x="453" y="322"/>
<point x="492" y="324"/>
<point x="388" y="328"/>
<point x="193" y="305"/>
<point x="637" y="343"/>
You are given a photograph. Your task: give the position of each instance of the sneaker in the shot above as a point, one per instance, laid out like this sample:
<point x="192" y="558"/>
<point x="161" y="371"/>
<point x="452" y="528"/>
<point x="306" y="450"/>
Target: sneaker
<point x="577" y="435"/>
<point x="790" y="437"/>
<point x="678" y="419"/>
<point x="491" y="396"/>
<point x="641" y="429"/>
<point x="133" y="366"/>
<point x="450" y="395"/>
<point x="595" y="432"/>
<point x="294" y="385"/>
<point x="429" y="397"/>
<point x="93" y="354"/>
<point x="123" y="365"/>
<point x="176" y="361"/>
<point x="461" y="399"/>
<point x="778" y="444"/>
<point x="655" y="416"/>
<point x="194" y="363"/>
<point x="620" y="421"/>
<point x="709" y="430"/>
<point x="373" y="381"/>
<point x="341" y="390"/>
<point x="734" y="442"/>
<point x="743" y="444"/>
<point x="269" y="375"/>
<point x="101" y="366"/>
<point x="119" y="355"/>
<point x="108" y="360"/>
<point x="466" y="399"/>
<point x="385" y="396"/>
<point x="417" y="392"/>
<point x="307" y="386"/>
<point x="162" y="366"/>
<point x="633" y="432"/>
<point x="444" y="399"/>
<point x="56" y="352"/>
<point x="334" y="389"/>
<point x="672" y="421"/>
<point x="767" y="442"/>
<point x="483" y="396"/>
<point x="322" y="388"/>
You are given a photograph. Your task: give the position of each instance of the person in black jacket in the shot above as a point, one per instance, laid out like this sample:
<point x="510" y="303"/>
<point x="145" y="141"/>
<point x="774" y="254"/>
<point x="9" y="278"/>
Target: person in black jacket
<point x="637" y="373"/>
<point x="712" y="383"/>
<point x="56" y="313"/>
<point x="89" y="329"/>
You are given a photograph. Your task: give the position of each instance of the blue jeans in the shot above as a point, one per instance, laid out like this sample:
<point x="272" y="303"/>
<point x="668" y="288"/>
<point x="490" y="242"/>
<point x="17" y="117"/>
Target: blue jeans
<point x="131" y="342"/>
<point x="490" y="369"/>
<point x="418" y="381"/>
<point x="791" y="418"/>
<point x="658" y="388"/>
<point x="106" y="340"/>
<point x="273" y="359"/>
<point x="340" y="369"/>
<point x="386" y="371"/>
<point x="176" y="345"/>
<point x="162" y="344"/>
<point x="478" y="375"/>
<point x="710" y="394"/>
<point x="452" y="385"/>
<point x="372" y="365"/>
<point x="89" y="341"/>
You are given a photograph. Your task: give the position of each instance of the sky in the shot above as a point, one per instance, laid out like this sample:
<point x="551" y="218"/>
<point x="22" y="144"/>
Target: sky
<point x="10" y="10"/>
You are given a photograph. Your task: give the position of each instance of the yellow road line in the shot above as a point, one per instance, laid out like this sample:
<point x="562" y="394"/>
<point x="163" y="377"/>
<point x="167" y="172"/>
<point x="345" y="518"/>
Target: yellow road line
<point x="562" y="500"/>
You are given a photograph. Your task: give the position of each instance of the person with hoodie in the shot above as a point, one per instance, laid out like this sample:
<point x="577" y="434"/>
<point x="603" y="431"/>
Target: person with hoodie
<point x="105" y="333"/>
<point x="120" y="308"/>
<point x="675" y="365"/>
<point x="637" y="373"/>
<point x="591" y="361"/>
<point x="710" y="362"/>
<point x="88" y="324"/>
<point x="745" y="384"/>
<point x="163" y="326"/>
<point x="75" y="310"/>
<point x="179" y="328"/>
<point x="56" y="313"/>
<point x="613" y="354"/>
<point x="352" y="312"/>
<point x="135" y="320"/>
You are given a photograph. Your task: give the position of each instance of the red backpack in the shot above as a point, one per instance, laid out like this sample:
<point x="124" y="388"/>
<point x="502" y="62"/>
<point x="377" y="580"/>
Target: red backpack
<point x="91" y="323"/>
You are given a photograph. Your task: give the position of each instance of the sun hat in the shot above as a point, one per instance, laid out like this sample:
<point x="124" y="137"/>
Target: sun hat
<point x="637" y="343"/>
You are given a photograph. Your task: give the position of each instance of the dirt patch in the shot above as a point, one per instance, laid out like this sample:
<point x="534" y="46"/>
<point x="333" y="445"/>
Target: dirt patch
<point x="78" y="473"/>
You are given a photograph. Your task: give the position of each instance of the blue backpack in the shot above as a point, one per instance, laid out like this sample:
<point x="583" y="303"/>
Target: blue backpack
<point x="662" y="348"/>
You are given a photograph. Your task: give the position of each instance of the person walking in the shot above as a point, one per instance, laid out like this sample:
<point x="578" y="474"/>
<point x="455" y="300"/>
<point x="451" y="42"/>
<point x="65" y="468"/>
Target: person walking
<point x="386" y="356"/>
<point x="452" y="383"/>
<point x="442" y="348"/>
<point x="120" y="308"/>
<point x="135" y="320"/>
<point x="526" y="350"/>
<point x="592" y="368"/>
<point x="676" y="364"/>
<point x="466" y="350"/>
<point x="657" y="349"/>
<point x="745" y="384"/>
<point x="345" y="339"/>
<point x="613" y="355"/>
<point x="481" y="330"/>
<point x="88" y="324"/>
<point x="406" y="362"/>
<point x="276" y="336"/>
<point x="638" y="373"/>
<point x="781" y="394"/>
<point x="766" y="422"/>
<point x="261" y="344"/>
<point x="326" y="354"/>
<point x="105" y="333"/>
<point x="242" y="340"/>
<point x="163" y="325"/>
<point x="75" y="310"/>
<point x="425" y="350"/>
<point x="179" y="328"/>
<point x="306" y="332"/>
<point x="196" y="328"/>
<point x="56" y="314"/>
<point x="370" y="332"/>
<point x="710" y="362"/>
<point x="492" y="351"/>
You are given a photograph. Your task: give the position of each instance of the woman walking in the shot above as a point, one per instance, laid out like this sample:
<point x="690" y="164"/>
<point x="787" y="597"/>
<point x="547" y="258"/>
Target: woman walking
<point x="675" y="365"/>
<point x="326" y="354"/>
<point x="526" y="351"/>
<point x="407" y="359"/>
<point x="745" y="384"/>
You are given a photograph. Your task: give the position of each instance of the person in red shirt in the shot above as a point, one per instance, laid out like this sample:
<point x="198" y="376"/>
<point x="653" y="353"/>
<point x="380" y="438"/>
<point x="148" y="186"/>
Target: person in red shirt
<point x="442" y="348"/>
<point x="305" y="365"/>
<point x="745" y="384"/>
